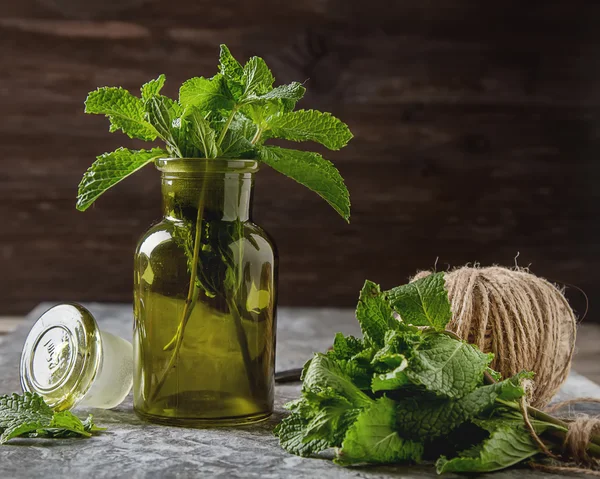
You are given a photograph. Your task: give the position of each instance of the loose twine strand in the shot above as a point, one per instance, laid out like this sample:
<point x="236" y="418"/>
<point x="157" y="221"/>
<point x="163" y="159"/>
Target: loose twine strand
<point x="579" y="435"/>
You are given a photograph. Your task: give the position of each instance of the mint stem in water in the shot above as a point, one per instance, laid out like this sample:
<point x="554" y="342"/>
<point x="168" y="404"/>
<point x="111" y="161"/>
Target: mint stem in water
<point x="192" y="290"/>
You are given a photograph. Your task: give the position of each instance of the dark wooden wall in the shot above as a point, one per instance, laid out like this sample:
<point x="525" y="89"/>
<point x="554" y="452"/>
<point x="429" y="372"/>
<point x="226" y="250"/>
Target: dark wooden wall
<point x="476" y="128"/>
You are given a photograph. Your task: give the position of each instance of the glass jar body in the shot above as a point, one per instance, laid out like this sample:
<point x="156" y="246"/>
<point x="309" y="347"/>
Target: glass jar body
<point x="205" y="301"/>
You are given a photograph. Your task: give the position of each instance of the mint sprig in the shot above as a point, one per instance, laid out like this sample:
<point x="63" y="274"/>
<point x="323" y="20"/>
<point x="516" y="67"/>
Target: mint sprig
<point x="29" y="416"/>
<point x="231" y="114"/>
<point x="408" y="391"/>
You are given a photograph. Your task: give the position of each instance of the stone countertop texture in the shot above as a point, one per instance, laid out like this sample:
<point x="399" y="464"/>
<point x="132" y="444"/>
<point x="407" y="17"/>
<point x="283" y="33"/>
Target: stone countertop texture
<point x="132" y="448"/>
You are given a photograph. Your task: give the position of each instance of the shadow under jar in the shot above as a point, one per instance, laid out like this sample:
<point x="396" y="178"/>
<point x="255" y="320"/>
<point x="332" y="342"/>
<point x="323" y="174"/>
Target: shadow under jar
<point x="205" y="287"/>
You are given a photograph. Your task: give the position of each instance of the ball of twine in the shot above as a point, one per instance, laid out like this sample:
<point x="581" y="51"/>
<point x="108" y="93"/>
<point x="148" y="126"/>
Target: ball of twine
<point x="523" y="319"/>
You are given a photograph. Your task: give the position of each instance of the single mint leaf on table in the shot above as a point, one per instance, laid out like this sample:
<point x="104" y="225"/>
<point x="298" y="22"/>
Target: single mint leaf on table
<point x="206" y="94"/>
<point x="423" y="302"/>
<point x="125" y="112"/>
<point x="203" y="136"/>
<point x="28" y="415"/>
<point x="69" y="424"/>
<point x="311" y="170"/>
<point x="374" y="314"/>
<point x="111" y="168"/>
<point x="446" y="366"/>
<point x="506" y="446"/>
<point x="373" y="438"/>
<point x="425" y="418"/>
<point x="310" y="125"/>
<point x="21" y="415"/>
<point x="152" y="88"/>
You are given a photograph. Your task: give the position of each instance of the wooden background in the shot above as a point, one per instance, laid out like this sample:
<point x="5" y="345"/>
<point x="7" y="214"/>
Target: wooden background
<point x="476" y="137"/>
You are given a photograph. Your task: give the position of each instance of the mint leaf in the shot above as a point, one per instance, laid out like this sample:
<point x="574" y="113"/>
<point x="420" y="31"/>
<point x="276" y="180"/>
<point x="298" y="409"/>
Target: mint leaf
<point x="426" y="418"/>
<point x="310" y="125"/>
<point x="288" y="94"/>
<point x="202" y="135"/>
<point x="66" y="424"/>
<point x="206" y="94"/>
<point x="292" y="431"/>
<point x="28" y="407"/>
<point x="89" y="426"/>
<point x="28" y="415"/>
<point x="257" y="79"/>
<point x="330" y="418"/>
<point x="345" y="347"/>
<point x="162" y="113"/>
<point x="229" y="66"/>
<point x="394" y="379"/>
<point x="447" y="367"/>
<point x="237" y="140"/>
<point x="109" y="169"/>
<point x="353" y="358"/>
<point x="373" y="438"/>
<point x="152" y="88"/>
<point x="311" y="170"/>
<point x="261" y="113"/>
<point x="323" y="374"/>
<point x="232" y="71"/>
<point x="20" y="415"/>
<point x="398" y="344"/>
<point x="125" y="111"/>
<point x="374" y="314"/>
<point x="423" y="302"/>
<point x="505" y="447"/>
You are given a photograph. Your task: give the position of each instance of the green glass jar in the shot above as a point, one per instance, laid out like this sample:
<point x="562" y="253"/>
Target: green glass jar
<point x="205" y="300"/>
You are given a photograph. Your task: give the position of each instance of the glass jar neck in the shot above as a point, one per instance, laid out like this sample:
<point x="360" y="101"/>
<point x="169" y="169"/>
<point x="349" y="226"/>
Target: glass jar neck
<point x="223" y="194"/>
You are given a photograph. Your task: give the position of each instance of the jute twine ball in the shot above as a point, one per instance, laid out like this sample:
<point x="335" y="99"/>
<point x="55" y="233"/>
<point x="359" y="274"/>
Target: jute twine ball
<point x="523" y="319"/>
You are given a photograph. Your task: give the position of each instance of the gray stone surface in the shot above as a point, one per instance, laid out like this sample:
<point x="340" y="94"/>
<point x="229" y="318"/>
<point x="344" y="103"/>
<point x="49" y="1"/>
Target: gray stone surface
<point x="134" y="449"/>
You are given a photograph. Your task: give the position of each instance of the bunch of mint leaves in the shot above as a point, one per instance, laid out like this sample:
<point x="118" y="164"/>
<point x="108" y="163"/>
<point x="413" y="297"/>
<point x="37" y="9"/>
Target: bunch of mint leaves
<point x="29" y="416"/>
<point x="409" y="392"/>
<point x="230" y="115"/>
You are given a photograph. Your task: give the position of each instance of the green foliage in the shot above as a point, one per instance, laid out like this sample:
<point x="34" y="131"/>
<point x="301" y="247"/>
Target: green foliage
<point x="310" y="125"/>
<point x="374" y="314"/>
<point x="206" y="94"/>
<point x="423" y="302"/>
<point x="109" y="169"/>
<point x="202" y="135"/>
<point x="125" y="112"/>
<point x="506" y="446"/>
<point x="29" y="416"/>
<point x="403" y="393"/>
<point x="373" y="438"/>
<point x="227" y="116"/>
<point x="428" y="417"/>
<point x="152" y="88"/>
<point x="311" y="170"/>
<point x="447" y="367"/>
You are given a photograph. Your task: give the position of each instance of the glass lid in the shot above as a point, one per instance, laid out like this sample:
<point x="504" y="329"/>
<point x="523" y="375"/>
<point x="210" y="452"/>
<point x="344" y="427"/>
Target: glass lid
<point x="62" y="355"/>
